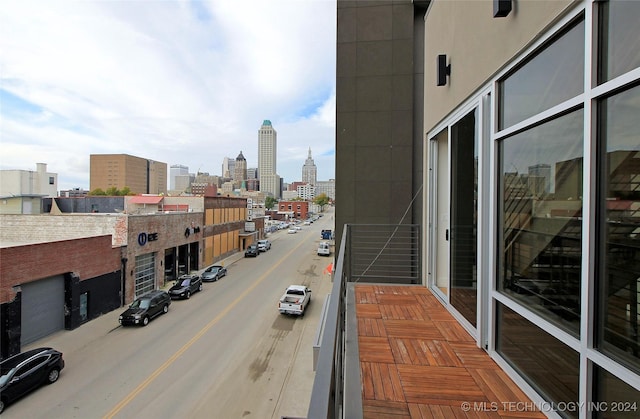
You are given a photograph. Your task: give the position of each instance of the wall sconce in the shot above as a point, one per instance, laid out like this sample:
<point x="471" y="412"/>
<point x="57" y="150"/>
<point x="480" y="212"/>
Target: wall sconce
<point x="444" y="70"/>
<point x="501" y="8"/>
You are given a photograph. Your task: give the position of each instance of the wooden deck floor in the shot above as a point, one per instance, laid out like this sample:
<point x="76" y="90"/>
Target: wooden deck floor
<point x="417" y="361"/>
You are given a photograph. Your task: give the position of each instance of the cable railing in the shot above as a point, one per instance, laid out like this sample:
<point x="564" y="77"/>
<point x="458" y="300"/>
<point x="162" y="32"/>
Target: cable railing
<point x="378" y="253"/>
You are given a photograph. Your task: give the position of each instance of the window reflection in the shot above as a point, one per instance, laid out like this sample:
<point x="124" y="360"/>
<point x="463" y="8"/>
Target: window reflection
<point x="620" y="227"/>
<point x="541" y="219"/>
<point x="551" y="367"/>
<point x="614" y="399"/>
<point x="620" y="49"/>
<point x="554" y="75"/>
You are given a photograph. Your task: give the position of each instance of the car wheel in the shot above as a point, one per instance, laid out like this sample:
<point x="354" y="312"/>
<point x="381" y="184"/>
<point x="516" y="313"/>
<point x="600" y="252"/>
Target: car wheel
<point x="200" y="287"/>
<point x="165" y="309"/>
<point x="53" y="376"/>
<point x="145" y="320"/>
<point x="1" y="405"/>
<point x="188" y="295"/>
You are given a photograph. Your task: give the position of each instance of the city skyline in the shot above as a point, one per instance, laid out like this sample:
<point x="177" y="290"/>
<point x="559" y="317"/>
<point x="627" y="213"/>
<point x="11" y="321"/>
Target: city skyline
<point x="180" y="83"/>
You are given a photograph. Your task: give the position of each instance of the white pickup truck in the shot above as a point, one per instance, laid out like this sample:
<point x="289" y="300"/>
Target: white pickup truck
<point x="295" y="300"/>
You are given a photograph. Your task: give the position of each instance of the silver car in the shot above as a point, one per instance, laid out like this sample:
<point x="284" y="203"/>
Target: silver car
<point x="213" y="273"/>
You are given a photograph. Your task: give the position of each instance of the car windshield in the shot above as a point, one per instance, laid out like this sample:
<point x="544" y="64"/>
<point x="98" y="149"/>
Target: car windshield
<point x="213" y="269"/>
<point x="185" y="282"/>
<point x="141" y="303"/>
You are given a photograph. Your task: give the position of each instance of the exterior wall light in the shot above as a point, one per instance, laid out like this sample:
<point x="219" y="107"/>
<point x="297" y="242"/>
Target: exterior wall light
<point x="501" y="8"/>
<point x="444" y="70"/>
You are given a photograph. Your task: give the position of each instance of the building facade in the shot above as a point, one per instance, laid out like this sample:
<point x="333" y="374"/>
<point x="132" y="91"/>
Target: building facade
<point x="176" y="170"/>
<point x="122" y="170"/>
<point x="21" y="191"/>
<point x="240" y="171"/>
<point x="294" y="209"/>
<point x="309" y="171"/>
<point x="379" y="96"/>
<point x="526" y="157"/>
<point x="267" y="160"/>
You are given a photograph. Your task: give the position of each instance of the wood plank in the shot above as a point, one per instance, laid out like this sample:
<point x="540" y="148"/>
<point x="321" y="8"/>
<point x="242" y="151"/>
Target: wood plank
<point x="375" y="349"/>
<point x="418" y="362"/>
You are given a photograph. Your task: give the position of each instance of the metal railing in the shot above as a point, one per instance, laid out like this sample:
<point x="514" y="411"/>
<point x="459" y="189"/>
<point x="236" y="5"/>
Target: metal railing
<point x="368" y="253"/>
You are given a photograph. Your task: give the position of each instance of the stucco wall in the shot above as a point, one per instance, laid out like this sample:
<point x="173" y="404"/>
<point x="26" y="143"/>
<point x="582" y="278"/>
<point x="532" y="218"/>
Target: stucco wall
<point x="477" y="45"/>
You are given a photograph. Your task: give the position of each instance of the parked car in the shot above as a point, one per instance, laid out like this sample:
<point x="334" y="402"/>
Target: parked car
<point x="292" y="231"/>
<point x="145" y="308"/>
<point x="213" y="273"/>
<point x="324" y="249"/>
<point x="252" y="251"/>
<point x="185" y="286"/>
<point x="264" y="245"/>
<point x="22" y="373"/>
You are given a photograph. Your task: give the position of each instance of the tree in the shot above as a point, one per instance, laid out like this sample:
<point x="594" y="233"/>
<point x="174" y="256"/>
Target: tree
<point x="270" y="202"/>
<point x="321" y="200"/>
<point x="97" y="192"/>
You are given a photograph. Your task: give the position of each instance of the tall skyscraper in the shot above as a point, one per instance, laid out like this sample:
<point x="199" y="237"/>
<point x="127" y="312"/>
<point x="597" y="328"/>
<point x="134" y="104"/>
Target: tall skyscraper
<point x="267" y="147"/>
<point x="309" y="171"/>
<point x="228" y="165"/>
<point x="176" y="170"/>
<point x="240" y="170"/>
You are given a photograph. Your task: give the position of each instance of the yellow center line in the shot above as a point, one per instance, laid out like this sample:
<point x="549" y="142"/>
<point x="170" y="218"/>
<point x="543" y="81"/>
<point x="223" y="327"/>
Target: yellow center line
<point x="193" y="340"/>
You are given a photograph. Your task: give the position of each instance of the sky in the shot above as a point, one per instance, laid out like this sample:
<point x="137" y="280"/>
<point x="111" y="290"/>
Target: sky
<point x="180" y="82"/>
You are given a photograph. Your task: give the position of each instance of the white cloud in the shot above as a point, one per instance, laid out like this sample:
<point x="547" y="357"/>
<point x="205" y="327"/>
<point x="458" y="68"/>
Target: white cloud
<point x="174" y="81"/>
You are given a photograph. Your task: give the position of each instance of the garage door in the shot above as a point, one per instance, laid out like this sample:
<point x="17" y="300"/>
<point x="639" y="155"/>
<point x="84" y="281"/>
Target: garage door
<point x="42" y="308"/>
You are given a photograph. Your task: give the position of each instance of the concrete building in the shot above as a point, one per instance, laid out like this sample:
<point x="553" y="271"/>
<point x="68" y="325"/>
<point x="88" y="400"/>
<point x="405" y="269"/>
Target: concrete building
<point x="176" y="170"/>
<point x="450" y="111"/>
<point x="327" y="187"/>
<point x="122" y="170"/>
<point x="270" y="182"/>
<point x="21" y="191"/>
<point x="240" y="171"/>
<point x="309" y="171"/>
<point x="97" y="261"/>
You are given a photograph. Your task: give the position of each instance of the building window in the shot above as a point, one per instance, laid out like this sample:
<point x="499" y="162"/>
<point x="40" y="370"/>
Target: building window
<point x="550" y="366"/>
<point x="51" y="180"/>
<point x="611" y="393"/>
<point x="619" y="227"/>
<point x="547" y="79"/>
<point x="541" y="219"/>
<point x="620" y="49"/>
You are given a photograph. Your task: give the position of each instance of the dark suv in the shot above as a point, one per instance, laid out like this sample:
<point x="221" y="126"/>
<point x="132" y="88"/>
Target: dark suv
<point x="185" y="286"/>
<point x="145" y="308"/>
<point x="23" y="373"/>
<point x="252" y="251"/>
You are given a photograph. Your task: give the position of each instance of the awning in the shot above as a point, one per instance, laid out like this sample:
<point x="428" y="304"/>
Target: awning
<point x="141" y="199"/>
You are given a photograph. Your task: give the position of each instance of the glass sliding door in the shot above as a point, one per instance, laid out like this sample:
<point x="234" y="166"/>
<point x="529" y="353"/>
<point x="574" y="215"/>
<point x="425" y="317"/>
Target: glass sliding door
<point x="464" y="217"/>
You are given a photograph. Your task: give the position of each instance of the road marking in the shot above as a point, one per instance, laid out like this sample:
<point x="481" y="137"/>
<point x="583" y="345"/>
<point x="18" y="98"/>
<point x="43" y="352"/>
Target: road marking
<point x="117" y="408"/>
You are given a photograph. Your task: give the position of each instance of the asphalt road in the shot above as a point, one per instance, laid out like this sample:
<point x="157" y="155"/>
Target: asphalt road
<point x="224" y="353"/>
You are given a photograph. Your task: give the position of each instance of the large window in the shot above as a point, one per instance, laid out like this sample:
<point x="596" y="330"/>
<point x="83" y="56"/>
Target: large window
<point x="541" y="218"/>
<point x="619" y="47"/>
<point x="619" y="223"/>
<point x="568" y="219"/>
<point x="550" y="366"/>
<point x="550" y="77"/>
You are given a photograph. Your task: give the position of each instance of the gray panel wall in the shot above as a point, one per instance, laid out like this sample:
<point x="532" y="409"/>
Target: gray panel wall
<point x="379" y="112"/>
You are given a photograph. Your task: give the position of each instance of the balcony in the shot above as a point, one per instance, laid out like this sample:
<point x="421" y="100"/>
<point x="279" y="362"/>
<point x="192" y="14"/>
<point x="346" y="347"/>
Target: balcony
<point x="390" y="349"/>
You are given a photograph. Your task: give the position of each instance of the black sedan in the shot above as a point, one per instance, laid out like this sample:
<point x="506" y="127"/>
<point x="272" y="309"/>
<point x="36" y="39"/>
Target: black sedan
<point x="213" y="273"/>
<point x="185" y="286"/>
<point x="23" y="373"/>
<point x="145" y="308"/>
